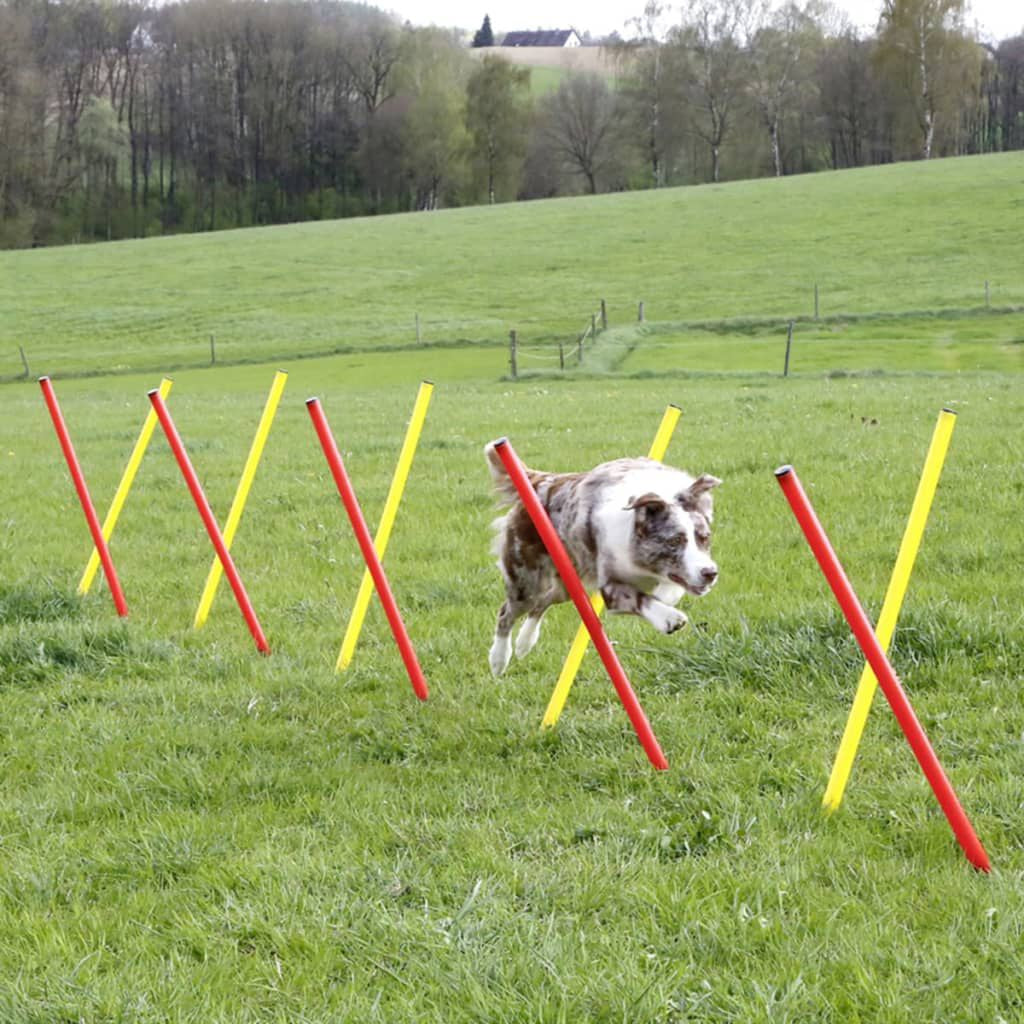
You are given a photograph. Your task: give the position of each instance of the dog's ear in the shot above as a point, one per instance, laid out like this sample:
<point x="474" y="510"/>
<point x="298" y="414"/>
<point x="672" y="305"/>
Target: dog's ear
<point x="650" y="501"/>
<point x="696" y="497"/>
<point x="647" y="508"/>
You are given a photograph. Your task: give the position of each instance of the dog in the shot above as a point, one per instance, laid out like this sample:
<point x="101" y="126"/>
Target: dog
<point x="637" y="530"/>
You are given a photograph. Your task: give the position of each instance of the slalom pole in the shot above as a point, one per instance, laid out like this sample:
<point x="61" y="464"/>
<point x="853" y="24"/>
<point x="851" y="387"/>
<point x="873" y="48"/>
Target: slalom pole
<point x="580" y="642"/>
<point x="578" y="593"/>
<point x="50" y="396"/>
<point x="241" y="495"/>
<point x="206" y="514"/>
<point x="872" y="649"/>
<point x="359" y="528"/>
<point x="121" y="494"/>
<point x="891" y="606"/>
<point x="387" y="521"/>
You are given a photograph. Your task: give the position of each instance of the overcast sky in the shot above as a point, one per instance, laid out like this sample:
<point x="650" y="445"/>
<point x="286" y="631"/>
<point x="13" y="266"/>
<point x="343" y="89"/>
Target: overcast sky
<point x="997" y="19"/>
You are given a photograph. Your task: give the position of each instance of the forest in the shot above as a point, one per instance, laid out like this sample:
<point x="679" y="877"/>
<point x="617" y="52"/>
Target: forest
<point x="126" y="119"/>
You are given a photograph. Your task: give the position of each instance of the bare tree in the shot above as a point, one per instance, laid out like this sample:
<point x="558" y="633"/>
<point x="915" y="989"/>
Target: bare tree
<point x="849" y="98"/>
<point x="711" y="49"/>
<point x="649" y="93"/>
<point x="781" y="56"/>
<point x="580" y="127"/>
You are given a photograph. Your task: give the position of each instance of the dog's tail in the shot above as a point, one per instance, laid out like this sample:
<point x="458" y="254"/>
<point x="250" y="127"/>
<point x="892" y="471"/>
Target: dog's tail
<point x="504" y="489"/>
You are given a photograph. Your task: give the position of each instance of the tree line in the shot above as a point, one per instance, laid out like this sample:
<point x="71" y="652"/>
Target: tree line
<point x="123" y="119"/>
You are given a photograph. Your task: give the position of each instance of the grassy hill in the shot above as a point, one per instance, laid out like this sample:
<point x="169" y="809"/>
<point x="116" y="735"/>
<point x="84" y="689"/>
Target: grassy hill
<point x="919" y="237"/>
<point x="194" y="833"/>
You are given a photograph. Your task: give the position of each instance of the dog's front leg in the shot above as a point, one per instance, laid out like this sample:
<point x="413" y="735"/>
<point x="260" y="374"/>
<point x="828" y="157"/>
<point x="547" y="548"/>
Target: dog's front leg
<point x="626" y="599"/>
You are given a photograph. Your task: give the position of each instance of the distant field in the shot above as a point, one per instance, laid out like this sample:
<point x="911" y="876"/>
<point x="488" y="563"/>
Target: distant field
<point x="980" y="342"/>
<point x="545" y="80"/>
<point x="903" y="237"/>
<point x="580" y="58"/>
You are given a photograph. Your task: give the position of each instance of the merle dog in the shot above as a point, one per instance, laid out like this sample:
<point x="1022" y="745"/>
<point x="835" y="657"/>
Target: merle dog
<point x="638" y="530"/>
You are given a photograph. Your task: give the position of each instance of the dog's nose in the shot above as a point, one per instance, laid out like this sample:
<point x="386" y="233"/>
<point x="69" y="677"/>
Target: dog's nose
<point x="709" y="574"/>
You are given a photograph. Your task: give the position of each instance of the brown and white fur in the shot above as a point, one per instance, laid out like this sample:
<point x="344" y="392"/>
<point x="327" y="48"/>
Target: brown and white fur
<point x="636" y="529"/>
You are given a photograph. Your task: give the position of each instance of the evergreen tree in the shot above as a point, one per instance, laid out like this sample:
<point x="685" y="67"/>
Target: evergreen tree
<point x="484" y="34"/>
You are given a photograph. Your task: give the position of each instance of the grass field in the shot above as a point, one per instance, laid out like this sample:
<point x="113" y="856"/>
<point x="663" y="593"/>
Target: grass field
<point x="191" y="832"/>
<point x="906" y="237"/>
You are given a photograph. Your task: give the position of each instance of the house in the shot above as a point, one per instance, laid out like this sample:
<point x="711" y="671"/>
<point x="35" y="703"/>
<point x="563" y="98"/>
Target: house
<point x="563" y="38"/>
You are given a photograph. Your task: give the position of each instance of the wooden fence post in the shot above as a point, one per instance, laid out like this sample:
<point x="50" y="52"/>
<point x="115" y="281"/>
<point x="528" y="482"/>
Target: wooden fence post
<point x="561" y="356"/>
<point x="512" y="355"/>
<point x="24" y="362"/>
<point x="213" y="352"/>
<point x="593" y="327"/>
<point x="815" y="300"/>
<point x="986" y="294"/>
<point x="604" y="316"/>
<point x="579" y="348"/>
<point x="640" y="312"/>
<point x="789" y="342"/>
<point x="419" y="338"/>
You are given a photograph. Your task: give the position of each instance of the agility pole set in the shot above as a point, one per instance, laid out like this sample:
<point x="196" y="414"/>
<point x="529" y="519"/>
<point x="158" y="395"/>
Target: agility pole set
<point x="873" y="642"/>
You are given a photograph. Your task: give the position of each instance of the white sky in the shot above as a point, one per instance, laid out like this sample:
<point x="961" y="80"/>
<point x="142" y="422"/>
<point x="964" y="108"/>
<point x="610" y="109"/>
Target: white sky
<point x="997" y="19"/>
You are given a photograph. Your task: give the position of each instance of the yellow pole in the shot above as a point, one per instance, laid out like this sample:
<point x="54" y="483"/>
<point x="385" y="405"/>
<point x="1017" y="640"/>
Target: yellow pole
<point x="121" y="494"/>
<point x="579" y="645"/>
<point x="387" y="521"/>
<point x="244" y="486"/>
<point x="891" y="606"/>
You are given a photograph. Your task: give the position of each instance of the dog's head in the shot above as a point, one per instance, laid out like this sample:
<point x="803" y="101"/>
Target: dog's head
<point x="672" y="535"/>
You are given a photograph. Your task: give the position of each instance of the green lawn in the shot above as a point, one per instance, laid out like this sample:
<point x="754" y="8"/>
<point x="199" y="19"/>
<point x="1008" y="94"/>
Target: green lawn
<point x="194" y="833"/>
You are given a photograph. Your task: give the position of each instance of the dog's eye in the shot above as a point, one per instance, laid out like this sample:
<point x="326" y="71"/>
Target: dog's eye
<point x="703" y="537"/>
<point x="680" y="541"/>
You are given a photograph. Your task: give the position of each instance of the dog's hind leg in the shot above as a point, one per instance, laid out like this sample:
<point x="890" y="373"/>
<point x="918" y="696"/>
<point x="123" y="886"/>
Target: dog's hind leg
<point x="529" y="632"/>
<point x="501" y="646"/>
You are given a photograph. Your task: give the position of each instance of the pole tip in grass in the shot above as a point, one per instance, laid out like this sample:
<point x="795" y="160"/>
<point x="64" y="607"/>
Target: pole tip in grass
<point x="783" y="471"/>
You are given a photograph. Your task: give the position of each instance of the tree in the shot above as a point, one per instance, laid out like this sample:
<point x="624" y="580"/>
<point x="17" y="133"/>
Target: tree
<point x="924" y="52"/>
<point x="484" y="34"/>
<point x="711" y="52"/>
<point x="1010" y="62"/>
<point x="581" y="122"/>
<point x="433" y="80"/>
<point x="648" y="90"/>
<point x="497" y="116"/>
<point x="779" y="60"/>
<point x="849" y="97"/>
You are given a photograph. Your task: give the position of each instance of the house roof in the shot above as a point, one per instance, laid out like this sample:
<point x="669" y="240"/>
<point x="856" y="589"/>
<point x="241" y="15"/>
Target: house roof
<point x="552" y="37"/>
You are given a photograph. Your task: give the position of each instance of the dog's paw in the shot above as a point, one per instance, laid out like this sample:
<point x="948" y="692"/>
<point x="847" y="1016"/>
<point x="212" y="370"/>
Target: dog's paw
<point x="526" y="639"/>
<point x="500" y="656"/>
<point x="666" y="620"/>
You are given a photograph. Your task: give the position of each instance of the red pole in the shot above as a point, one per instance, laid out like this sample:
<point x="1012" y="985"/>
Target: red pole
<point x="861" y="626"/>
<point x="83" y="495"/>
<point x="573" y="584"/>
<point x="174" y="439"/>
<point x="355" y="515"/>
